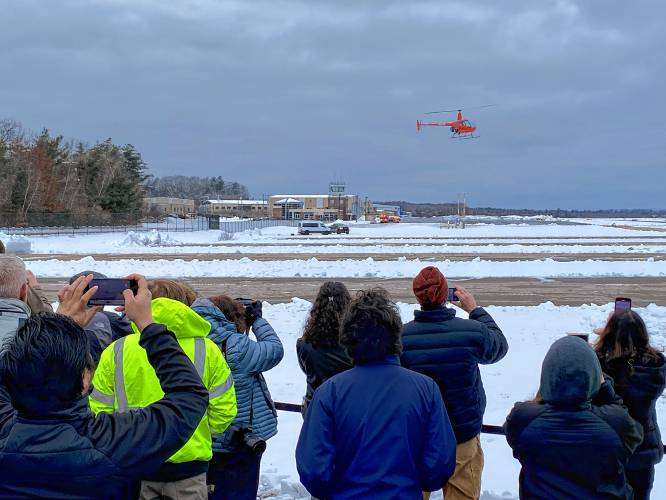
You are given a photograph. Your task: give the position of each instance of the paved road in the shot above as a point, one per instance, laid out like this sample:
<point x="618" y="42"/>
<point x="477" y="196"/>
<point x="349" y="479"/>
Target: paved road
<point x="495" y="291"/>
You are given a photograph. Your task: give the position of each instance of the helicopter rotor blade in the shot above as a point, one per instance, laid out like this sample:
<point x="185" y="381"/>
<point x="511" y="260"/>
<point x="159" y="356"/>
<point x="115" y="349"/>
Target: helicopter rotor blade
<point x="460" y="109"/>
<point x="443" y="111"/>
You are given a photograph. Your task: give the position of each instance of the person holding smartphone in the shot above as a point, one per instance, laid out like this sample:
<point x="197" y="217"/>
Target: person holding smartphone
<point x="51" y="444"/>
<point x="449" y="350"/>
<point x="639" y="372"/>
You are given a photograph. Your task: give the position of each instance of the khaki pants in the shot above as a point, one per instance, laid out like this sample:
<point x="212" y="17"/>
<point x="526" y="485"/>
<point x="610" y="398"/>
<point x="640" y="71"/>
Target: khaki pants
<point x="465" y="484"/>
<point x="193" y="488"/>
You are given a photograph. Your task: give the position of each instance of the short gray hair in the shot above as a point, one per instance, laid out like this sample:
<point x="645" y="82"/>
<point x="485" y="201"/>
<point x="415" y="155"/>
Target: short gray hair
<point x="12" y="276"/>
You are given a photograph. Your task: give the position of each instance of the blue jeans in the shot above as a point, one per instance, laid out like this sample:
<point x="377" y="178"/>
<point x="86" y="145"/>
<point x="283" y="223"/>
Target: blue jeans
<point x="234" y="475"/>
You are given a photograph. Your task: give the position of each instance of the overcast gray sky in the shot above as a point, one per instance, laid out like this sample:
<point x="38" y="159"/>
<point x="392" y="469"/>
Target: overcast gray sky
<point x="285" y="96"/>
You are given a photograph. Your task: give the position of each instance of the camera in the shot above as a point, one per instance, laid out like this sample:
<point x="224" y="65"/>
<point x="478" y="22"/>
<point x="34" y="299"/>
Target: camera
<point x="243" y="436"/>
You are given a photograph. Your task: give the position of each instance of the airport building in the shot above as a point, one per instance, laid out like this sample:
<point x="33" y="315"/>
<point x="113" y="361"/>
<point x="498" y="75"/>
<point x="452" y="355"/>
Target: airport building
<point x="324" y="207"/>
<point x="243" y="208"/>
<point x="165" y="206"/>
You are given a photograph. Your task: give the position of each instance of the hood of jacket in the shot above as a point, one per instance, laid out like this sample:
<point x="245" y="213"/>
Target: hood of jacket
<point x="14" y="305"/>
<point x="178" y="318"/>
<point x="651" y="378"/>
<point x="571" y="373"/>
<point x="222" y="328"/>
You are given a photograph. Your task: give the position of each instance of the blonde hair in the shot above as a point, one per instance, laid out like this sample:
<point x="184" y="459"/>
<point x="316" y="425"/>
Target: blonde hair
<point x="172" y="289"/>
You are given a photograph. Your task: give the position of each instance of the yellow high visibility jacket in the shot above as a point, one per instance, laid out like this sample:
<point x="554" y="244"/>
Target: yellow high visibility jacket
<point x="124" y="378"/>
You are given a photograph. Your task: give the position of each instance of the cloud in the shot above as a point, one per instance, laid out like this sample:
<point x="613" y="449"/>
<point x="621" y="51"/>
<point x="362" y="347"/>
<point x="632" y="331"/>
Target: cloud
<point x="285" y="95"/>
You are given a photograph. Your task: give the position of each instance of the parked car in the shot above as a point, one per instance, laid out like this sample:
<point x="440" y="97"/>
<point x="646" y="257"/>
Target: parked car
<point x="313" y="227"/>
<point x="339" y="228"/>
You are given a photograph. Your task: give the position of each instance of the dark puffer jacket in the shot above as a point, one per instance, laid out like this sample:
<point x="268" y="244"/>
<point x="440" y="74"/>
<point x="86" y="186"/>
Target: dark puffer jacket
<point x="449" y="350"/>
<point x="576" y="443"/>
<point x="70" y="453"/>
<point x="640" y="389"/>
<point x="319" y="364"/>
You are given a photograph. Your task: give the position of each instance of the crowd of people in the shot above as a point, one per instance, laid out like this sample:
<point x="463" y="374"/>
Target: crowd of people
<point x="166" y="398"/>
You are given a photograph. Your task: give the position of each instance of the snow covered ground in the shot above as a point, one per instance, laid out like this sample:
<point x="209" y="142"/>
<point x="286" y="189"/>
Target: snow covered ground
<point x="529" y="330"/>
<point x="348" y="268"/>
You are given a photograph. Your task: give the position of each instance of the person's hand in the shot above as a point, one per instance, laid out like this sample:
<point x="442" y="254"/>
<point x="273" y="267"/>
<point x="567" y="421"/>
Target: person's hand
<point x="73" y="301"/>
<point x="138" y="307"/>
<point x="253" y="311"/>
<point x="31" y="279"/>
<point x="466" y="300"/>
<point x="600" y="330"/>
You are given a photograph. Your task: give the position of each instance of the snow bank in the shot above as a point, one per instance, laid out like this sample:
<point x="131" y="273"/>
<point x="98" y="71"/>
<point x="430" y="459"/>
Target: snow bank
<point x="16" y="244"/>
<point x="349" y="268"/>
<point x="530" y="332"/>
<point x="150" y="239"/>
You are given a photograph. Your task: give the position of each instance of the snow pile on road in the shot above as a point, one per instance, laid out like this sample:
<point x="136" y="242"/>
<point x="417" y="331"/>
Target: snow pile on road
<point x="530" y="332"/>
<point x="150" y="239"/>
<point x="16" y="244"/>
<point x="351" y="268"/>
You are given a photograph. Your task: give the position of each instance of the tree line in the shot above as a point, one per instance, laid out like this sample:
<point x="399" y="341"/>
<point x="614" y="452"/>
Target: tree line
<point x="48" y="180"/>
<point x="196" y="188"/>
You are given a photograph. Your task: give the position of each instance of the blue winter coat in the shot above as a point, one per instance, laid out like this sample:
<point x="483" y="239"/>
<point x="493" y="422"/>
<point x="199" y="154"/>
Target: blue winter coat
<point x="67" y="452"/>
<point x="449" y="350"/>
<point x="376" y="431"/>
<point x="247" y="360"/>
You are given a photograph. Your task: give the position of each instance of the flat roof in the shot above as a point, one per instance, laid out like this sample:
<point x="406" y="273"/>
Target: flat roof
<point x="236" y="202"/>
<point x="334" y="195"/>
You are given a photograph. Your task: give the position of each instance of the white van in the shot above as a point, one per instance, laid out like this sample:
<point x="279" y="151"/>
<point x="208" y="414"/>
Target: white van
<point x="308" y="227"/>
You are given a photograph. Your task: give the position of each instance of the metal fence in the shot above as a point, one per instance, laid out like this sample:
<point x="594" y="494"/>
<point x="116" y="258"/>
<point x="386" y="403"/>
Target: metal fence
<point x="60" y="224"/>
<point x="249" y="224"/>
<point x="169" y="224"/>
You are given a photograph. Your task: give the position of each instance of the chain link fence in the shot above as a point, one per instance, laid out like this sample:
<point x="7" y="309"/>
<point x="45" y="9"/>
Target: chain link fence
<point x="46" y="223"/>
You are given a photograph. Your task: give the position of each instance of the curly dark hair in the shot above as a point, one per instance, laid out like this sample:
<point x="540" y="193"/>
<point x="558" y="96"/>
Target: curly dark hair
<point x="323" y="326"/>
<point x="623" y="340"/>
<point x="232" y="310"/>
<point x="371" y="326"/>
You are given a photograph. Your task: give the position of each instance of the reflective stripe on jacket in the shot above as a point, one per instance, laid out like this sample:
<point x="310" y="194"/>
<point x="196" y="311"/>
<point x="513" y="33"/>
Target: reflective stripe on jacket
<point x="124" y="378"/>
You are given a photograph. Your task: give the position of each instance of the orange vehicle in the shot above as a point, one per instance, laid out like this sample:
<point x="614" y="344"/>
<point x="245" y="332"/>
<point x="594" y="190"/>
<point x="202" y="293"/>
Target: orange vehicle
<point x="460" y="127"/>
<point x="385" y="218"/>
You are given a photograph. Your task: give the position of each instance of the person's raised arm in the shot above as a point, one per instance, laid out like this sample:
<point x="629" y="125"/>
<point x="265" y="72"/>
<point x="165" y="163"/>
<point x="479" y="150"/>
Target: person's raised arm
<point x="609" y="406"/>
<point x="140" y="440"/>
<point x="495" y="345"/>
<point x="267" y="351"/>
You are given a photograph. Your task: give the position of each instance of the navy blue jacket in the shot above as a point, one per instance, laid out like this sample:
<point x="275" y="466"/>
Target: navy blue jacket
<point x="640" y="387"/>
<point x="70" y="453"/>
<point x="449" y="350"/>
<point x="573" y="452"/>
<point x="376" y="431"/>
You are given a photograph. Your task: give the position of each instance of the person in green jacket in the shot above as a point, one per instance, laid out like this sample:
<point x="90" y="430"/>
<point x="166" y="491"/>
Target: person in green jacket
<point x="124" y="379"/>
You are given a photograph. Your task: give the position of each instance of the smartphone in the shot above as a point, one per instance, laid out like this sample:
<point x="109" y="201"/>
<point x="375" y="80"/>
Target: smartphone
<point x="622" y="304"/>
<point x="452" y="297"/>
<point x="110" y="291"/>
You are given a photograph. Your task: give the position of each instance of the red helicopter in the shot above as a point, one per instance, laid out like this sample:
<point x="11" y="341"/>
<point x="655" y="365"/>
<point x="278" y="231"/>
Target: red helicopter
<point x="460" y="127"/>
